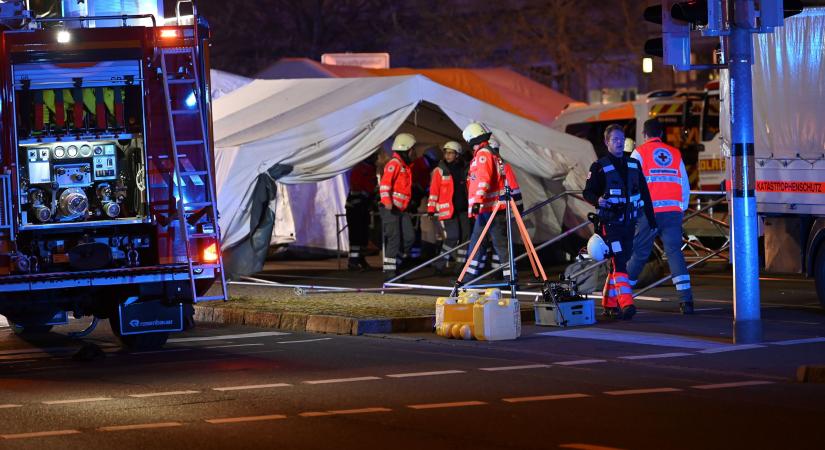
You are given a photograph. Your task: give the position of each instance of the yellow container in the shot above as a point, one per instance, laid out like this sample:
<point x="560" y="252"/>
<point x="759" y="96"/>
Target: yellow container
<point x="496" y="319"/>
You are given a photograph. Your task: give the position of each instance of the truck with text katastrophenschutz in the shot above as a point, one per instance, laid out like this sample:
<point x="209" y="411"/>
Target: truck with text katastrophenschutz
<point x="106" y="169"/>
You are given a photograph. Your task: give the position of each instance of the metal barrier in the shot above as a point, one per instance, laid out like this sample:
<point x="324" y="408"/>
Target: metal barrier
<point x="6" y="208"/>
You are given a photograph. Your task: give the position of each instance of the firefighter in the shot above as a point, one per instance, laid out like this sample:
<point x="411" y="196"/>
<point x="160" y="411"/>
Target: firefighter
<point x="395" y="192"/>
<point x="669" y="187"/>
<point x="448" y="201"/>
<point x="362" y="184"/>
<point x="485" y="185"/>
<point x="617" y="188"/>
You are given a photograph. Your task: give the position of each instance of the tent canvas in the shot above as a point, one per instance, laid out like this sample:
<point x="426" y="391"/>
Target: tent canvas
<point x="319" y="128"/>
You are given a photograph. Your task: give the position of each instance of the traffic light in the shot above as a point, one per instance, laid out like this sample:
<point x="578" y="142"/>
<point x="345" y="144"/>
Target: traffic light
<point x="674" y="45"/>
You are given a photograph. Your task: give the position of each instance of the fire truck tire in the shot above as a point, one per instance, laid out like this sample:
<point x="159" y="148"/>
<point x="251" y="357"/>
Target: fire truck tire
<point x="138" y="342"/>
<point x="30" y="329"/>
<point x="819" y="274"/>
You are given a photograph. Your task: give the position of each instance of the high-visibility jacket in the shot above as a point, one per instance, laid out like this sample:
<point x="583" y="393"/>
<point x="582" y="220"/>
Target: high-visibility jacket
<point x="362" y="180"/>
<point x="396" y="183"/>
<point x="667" y="179"/>
<point x="485" y="181"/>
<point x="515" y="190"/>
<point x="440" y="201"/>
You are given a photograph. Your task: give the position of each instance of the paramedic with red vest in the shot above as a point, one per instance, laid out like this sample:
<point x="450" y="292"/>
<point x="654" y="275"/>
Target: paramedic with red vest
<point x="617" y="188"/>
<point x="395" y="192"/>
<point x="448" y="202"/>
<point x="485" y="184"/>
<point x="669" y="188"/>
<point x="362" y="184"/>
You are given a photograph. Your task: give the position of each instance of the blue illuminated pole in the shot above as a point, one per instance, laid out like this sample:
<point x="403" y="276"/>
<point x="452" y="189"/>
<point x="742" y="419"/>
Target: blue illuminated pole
<point x="747" y="321"/>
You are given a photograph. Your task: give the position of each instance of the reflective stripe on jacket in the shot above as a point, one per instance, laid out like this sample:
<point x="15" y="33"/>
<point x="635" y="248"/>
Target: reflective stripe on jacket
<point x="440" y="200"/>
<point x="624" y="199"/>
<point x="396" y="183"/>
<point x="666" y="177"/>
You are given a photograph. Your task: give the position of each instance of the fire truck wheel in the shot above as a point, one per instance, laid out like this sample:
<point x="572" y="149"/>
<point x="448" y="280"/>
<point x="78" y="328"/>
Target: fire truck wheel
<point x="819" y="274"/>
<point x="30" y="329"/>
<point x="138" y="342"/>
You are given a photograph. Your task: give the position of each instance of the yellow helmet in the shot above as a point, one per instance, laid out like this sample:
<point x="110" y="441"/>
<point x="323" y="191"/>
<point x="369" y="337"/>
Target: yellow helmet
<point x="476" y="133"/>
<point x="452" y="145"/>
<point x="403" y="142"/>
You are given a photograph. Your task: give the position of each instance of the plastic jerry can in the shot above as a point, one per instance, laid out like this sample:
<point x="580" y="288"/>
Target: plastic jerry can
<point x="439" y="309"/>
<point x="496" y="319"/>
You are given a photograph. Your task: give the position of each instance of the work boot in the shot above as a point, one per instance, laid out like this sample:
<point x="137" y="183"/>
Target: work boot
<point x="611" y="313"/>
<point x="628" y="312"/>
<point x="686" y="308"/>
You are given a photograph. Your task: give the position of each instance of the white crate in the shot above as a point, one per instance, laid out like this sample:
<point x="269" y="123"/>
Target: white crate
<point x="576" y="313"/>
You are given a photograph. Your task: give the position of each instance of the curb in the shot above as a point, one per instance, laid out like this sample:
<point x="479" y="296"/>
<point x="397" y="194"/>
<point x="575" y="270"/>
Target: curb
<point x="313" y="323"/>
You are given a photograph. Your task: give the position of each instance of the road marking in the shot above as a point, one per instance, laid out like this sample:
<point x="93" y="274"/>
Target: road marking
<point x="39" y="434"/>
<point x="446" y="405"/>
<point x="10" y="406"/>
<point x="141" y="426"/>
<point x="424" y="374"/>
<point x="540" y="398"/>
<point x="525" y="367"/>
<point x="315" y="414"/>
<point x="707" y="309"/>
<point x="251" y="386"/>
<point x="731" y="385"/>
<point x="229" y="336"/>
<point x="245" y="419"/>
<point x="579" y="362"/>
<point x="799" y="341"/>
<point x="359" y="411"/>
<point x="32" y="356"/>
<point x="77" y="400"/>
<point x="16" y="361"/>
<point x="732" y="348"/>
<point x="164" y="394"/>
<point x="303" y="340"/>
<point x="656" y="356"/>
<point x="634" y="337"/>
<point x="235" y="345"/>
<point x="642" y="391"/>
<point x="341" y="380"/>
<point x="587" y="447"/>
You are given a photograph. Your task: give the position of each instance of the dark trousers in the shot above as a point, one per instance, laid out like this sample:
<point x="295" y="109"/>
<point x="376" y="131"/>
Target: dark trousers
<point x="358" y="224"/>
<point x="398" y="238"/>
<point x="458" y="231"/>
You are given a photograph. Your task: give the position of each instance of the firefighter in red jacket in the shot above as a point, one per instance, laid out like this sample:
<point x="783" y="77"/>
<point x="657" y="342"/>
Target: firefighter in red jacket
<point x="448" y="202"/>
<point x="362" y="184"/>
<point x="485" y="185"/>
<point x="395" y="192"/>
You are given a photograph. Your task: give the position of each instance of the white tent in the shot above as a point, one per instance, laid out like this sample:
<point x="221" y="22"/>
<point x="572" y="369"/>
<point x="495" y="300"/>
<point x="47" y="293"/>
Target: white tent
<point x="322" y="127"/>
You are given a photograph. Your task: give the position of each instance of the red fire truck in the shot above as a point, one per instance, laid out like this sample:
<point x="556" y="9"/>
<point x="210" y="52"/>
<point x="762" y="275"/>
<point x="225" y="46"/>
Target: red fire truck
<point x="106" y="173"/>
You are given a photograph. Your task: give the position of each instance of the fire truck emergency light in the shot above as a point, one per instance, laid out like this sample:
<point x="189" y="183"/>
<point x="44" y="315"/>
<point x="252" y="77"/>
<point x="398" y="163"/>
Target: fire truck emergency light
<point x="169" y="33"/>
<point x="63" y="36"/>
<point x="210" y="253"/>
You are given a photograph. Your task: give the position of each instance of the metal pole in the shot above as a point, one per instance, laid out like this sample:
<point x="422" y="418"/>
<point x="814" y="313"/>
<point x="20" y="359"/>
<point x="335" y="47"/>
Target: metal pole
<point x="747" y="321"/>
<point x="428" y="287"/>
<point x="653" y="285"/>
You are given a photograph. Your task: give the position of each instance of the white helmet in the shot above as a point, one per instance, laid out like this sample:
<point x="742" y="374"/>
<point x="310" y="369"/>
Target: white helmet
<point x="403" y="142"/>
<point x="475" y="133"/>
<point x="452" y="145"/>
<point x="597" y="248"/>
<point x="493" y="143"/>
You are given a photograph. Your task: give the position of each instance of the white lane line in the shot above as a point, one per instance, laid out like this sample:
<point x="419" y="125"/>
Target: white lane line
<point x="359" y="411"/>
<point x="525" y="367"/>
<point x="141" y="426"/>
<point x="642" y="391"/>
<point x="163" y="394"/>
<point x="303" y="340"/>
<point x="315" y="414"/>
<point x="539" y="398"/>
<point x="234" y="345"/>
<point x="579" y="362"/>
<point x="245" y="419"/>
<point x="635" y="337"/>
<point x="77" y="400"/>
<point x="732" y="348"/>
<point x="229" y="336"/>
<point x="39" y="434"/>
<point x="446" y="405"/>
<point x="707" y="309"/>
<point x="731" y="385"/>
<point x="799" y="341"/>
<point x="656" y="356"/>
<point x="251" y="386"/>
<point x="341" y="380"/>
<point x="8" y="406"/>
<point x="424" y="374"/>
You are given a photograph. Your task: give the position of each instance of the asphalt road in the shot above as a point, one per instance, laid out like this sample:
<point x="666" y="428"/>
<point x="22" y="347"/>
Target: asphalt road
<point x="662" y="381"/>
